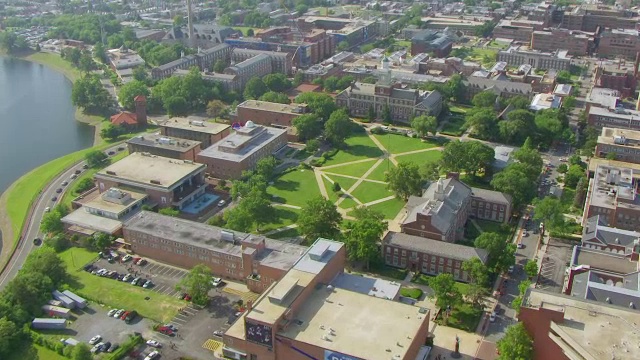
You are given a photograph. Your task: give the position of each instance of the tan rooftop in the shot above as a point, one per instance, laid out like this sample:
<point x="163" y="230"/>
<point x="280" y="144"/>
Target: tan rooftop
<point x="195" y="125"/>
<point x="620" y="137"/>
<point x="356" y="324"/>
<point x="595" y="162"/>
<point x="273" y="107"/>
<point x="103" y="202"/>
<point x="590" y="330"/>
<point x="151" y="170"/>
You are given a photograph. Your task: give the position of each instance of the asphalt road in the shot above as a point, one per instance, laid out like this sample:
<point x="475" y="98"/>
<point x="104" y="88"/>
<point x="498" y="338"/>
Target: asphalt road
<point x="33" y="227"/>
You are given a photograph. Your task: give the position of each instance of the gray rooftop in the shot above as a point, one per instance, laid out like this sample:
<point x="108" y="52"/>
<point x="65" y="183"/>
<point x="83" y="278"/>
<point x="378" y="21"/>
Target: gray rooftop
<point x="595" y="229"/>
<point x="240" y="145"/>
<point x="436" y="247"/>
<point x="319" y="254"/>
<point x="366" y="285"/>
<point x="164" y="142"/>
<point x="616" y="263"/>
<point x="491" y="196"/>
<point x="624" y="114"/>
<point x="607" y="98"/>
<point x="613" y="187"/>
<point x="607" y="288"/>
<point x="499" y="85"/>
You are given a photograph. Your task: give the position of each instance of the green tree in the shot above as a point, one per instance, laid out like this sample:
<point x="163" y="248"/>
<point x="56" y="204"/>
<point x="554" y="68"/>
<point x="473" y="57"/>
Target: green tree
<point x="178" y="21"/>
<point x="50" y="222"/>
<point x="309" y="126"/>
<point x="95" y="158"/>
<point x="275" y="97"/>
<point x="140" y="74"/>
<point x="111" y="132"/>
<point x="169" y="212"/>
<point x="319" y="103"/>
<point x="518" y="127"/>
<point x="215" y="108"/>
<point x="404" y="180"/>
<point x="338" y="127"/>
<point x="86" y="63"/>
<point x="479" y="276"/>
<point x="197" y="284"/>
<point x="46" y="262"/>
<point x="573" y="176"/>
<point x="456" y="87"/>
<point x="344" y="82"/>
<point x="238" y="218"/>
<point x="250" y="32"/>
<point x="89" y="94"/>
<point x="29" y="291"/>
<point x="468" y="156"/>
<point x="483" y="123"/>
<point x="445" y="291"/>
<point x="423" y="125"/>
<point x="219" y="66"/>
<point x="562" y="168"/>
<point x="102" y="240"/>
<point x="563" y="77"/>
<point x="312" y="146"/>
<point x="519" y="102"/>
<point x="501" y="253"/>
<point x="254" y="88"/>
<point x="515" y="182"/>
<point x="363" y="234"/>
<point x="277" y="82"/>
<point x="319" y="218"/>
<point x="516" y="344"/>
<point x="298" y="78"/>
<point x="430" y="171"/>
<point x="485" y="98"/>
<point x="549" y="211"/>
<point x="342" y="46"/>
<point x="531" y="268"/>
<point x="9" y="336"/>
<point x="176" y="106"/>
<point x="58" y="242"/>
<point x="581" y="192"/>
<point x="330" y="84"/>
<point x="81" y="352"/>
<point x="569" y="102"/>
<point x="266" y="167"/>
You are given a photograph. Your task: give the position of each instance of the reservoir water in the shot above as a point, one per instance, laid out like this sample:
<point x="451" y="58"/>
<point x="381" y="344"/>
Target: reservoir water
<point x="37" y="121"/>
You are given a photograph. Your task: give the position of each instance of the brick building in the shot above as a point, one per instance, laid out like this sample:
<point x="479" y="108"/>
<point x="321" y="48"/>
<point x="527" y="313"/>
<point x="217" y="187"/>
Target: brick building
<point x="517" y="30"/>
<point x="519" y="55"/>
<point x="619" y="43"/>
<point x="567" y="328"/>
<point x="444" y="208"/>
<point x="268" y="113"/>
<point x="576" y="42"/>
<point x="623" y="144"/>
<point x="241" y="151"/>
<point x="430" y="41"/>
<point x="591" y="17"/>
<point x="617" y="76"/>
<point x="204" y="59"/>
<point x="613" y="118"/>
<point x="353" y="31"/>
<point x="280" y="61"/>
<point x="449" y="66"/>
<point x="167" y="182"/>
<point x="613" y="194"/>
<point x="428" y="256"/>
<point x="316" y="311"/>
<point x="503" y="88"/>
<point x="257" y="66"/>
<point x="253" y="259"/>
<point x="164" y="146"/>
<point x="205" y="132"/>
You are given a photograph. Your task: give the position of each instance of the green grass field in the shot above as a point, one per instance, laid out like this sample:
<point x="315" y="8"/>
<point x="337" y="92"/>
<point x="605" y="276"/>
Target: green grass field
<point x="378" y="172"/>
<point x="459" y="108"/>
<point x="397" y="144"/>
<point x="348" y="203"/>
<point x="368" y="191"/>
<point x="345" y="183"/>
<point x="286" y="216"/>
<point x="389" y="208"/>
<point x="295" y="188"/>
<point x="454" y="126"/>
<point x="359" y="147"/>
<point x="116" y="294"/>
<point x="421" y="158"/>
<point x="289" y="233"/>
<point x="357" y="169"/>
<point x="32" y="351"/>
<point x="57" y="63"/>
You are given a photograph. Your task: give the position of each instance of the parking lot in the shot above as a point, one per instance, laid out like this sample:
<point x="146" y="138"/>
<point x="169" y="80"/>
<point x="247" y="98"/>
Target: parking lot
<point x="554" y="264"/>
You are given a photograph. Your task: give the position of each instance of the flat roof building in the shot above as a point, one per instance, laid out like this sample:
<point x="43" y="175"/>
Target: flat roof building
<point x="268" y="113"/>
<point x="622" y="144"/>
<point x="165" y="146"/>
<point x="206" y="132"/>
<point x="614" y="118"/>
<point x="166" y="181"/>
<point x="241" y="151"/>
<point x="545" y="101"/>
<point x="602" y="97"/>
<point x="314" y="310"/>
<point x="518" y="55"/>
<point x="577" y="43"/>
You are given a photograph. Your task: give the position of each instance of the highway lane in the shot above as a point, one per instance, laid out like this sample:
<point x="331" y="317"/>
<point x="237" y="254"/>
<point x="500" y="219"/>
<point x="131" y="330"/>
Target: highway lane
<point x="33" y="227"/>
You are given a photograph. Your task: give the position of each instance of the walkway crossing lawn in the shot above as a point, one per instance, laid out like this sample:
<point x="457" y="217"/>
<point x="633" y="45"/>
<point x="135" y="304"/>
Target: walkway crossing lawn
<point x="345" y="183"/>
<point x="358" y="147"/>
<point x="348" y="203"/>
<point x="378" y="172"/>
<point x="369" y="191"/>
<point x="333" y="196"/>
<point x="289" y="233"/>
<point x="357" y="169"/>
<point x="285" y="215"/>
<point x="397" y="144"/>
<point x="116" y="294"/>
<point x="389" y="208"/>
<point x="454" y="126"/>
<point x="421" y="157"/>
<point x="295" y="188"/>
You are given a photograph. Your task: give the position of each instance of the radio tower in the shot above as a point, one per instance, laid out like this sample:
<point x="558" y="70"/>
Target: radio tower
<point x="190" y="24"/>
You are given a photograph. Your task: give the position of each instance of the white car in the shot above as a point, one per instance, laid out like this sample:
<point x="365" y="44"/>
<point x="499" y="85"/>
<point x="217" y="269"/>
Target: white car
<point x="127" y="258"/>
<point x="216" y="281"/>
<point x="118" y="313"/>
<point x="95" y="339"/>
<point x="152" y="355"/>
<point x="112" y="312"/>
<point x="154" y="343"/>
<point x="47" y="209"/>
<point x="492" y="316"/>
<point x="511" y="268"/>
<point x="520" y="245"/>
<point x="96" y="348"/>
<point x="222" y="203"/>
<point x="218" y="333"/>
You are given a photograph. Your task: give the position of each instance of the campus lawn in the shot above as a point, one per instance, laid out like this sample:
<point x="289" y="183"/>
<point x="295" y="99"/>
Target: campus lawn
<point x="492" y="226"/>
<point x="423" y="279"/>
<point x="284" y="234"/>
<point x="459" y="108"/>
<point x="345" y="183"/>
<point x="454" y="126"/>
<point x="421" y="157"/>
<point x="403" y="43"/>
<point x="348" y="203"/>
<point x="380" y="170"/>
<point x="464" y="317"/>
<point x="397" y="144"/>
<point x="29" y="350"/>
<point x="389" y="208"/>
<point x="358" y="147"/>
<point x="369" y="191"/>
<point x="357" y="169"/>
<point x="388" y="271"/>
<point x="116" y="294"/>
<point x="285" y="216"/>
<point x="409" y="292"/>
<point x="295" y="188"/>
<point x="57" y="63"/>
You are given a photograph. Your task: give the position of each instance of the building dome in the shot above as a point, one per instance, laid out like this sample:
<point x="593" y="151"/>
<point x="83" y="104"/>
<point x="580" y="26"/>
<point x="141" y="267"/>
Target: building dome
<point x="250" y="124"/>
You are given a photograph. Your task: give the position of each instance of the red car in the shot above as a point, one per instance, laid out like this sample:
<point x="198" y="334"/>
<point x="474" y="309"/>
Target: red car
<point x="165" y="330"/>
<point x="124" y="315"/>
<point x="186" y="297"/>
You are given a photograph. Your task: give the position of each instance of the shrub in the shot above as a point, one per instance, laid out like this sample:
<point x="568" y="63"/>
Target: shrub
<point x="317" y="162"/>
<point x="377" y="130"/>
<point x="336" y="187"/>
<point x="304" y="166"/>
<point x="217" y="220"/>
<point x="125" y="348"/>
<point x="413" y="293"/>
<point x="84" y="185"/>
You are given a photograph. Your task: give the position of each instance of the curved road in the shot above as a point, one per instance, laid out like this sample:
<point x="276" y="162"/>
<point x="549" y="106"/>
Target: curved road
<point x="33" y="227"/>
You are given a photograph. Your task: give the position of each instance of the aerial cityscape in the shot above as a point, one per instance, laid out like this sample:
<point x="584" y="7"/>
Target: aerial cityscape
<point x="319" y="179"/>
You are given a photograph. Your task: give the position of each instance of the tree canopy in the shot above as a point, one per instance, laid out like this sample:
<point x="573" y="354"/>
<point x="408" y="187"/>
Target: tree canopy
<point x="129" y="91"/>
<point x="319" y="218"/>
<point x="445" y="291"/>
<point x="423" y="125"/>
<point x="89" y="94"/>
<point x="197" y="284"/>
<point x="516" y="344"/>
<point x="362" y="235"/>
<point x="468" y="156"/>
<point x="501" y="253"/>
<point x="338" y="127"/>
<point x="404" y="180"/>
<point x="309" y="126"/>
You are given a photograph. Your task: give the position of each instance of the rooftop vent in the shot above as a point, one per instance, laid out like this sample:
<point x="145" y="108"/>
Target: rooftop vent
<point x="196" y="123"/>
<point x="226" y="236"/>
<point x="109" y="172"/>
<point x="157" y="182"/>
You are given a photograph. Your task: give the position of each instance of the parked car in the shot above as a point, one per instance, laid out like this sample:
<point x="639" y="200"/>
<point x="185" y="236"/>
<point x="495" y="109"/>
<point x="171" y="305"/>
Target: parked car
<point x="165" y="330"/>
<point x="172" y="327"/>
<point x="106" y="346"/>
<point x="127" y="277"/>
<point x="141" y="262"/>
<point x="54" y="198"/>
<point x="187" y="297"/>
<point x="120" y="148"/>
<point x="85" y="166"/>
<point x="520" y="245"/>
<point x="113" y="348"/>
<point x="74" y="176"/>
<point x="147" y="284"/>
<point x="96" y="348"/>
<point x="153" y="355"/>
<point x="77" y="172"/>
<point x="132" y="315"/>
<point x="126" y="258"/>
<point x="89" y="267"/>
<point x="124" y="315"/>
<point x="222" y="203"/>
<point x="216" y="281"/>
<point x="112" y="312"/>
<point x="95" y="339"/>
<point x="511" y="269"/>
<point x="58" y="190"/>
<point x="492" y="316"/>
<point x="118" y="313"/>
<point x="135" y="281"/>
<point x="47" y="209"/>
<point x="65" y="183"/>
<point x="218" y="333"/>
<point x="111" y="153"/>
<point x="154" y="343"/>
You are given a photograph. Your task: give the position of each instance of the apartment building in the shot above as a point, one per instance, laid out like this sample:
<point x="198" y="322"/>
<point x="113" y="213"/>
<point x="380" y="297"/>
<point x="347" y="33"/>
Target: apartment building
<point x="157" y="144"/>
<point x="464" y="24"/>
<point x="241" y="151"/>
<point x="619" y="75"/>
<point x="167" y="182"/>
<point x="205" y="132"/>
<point x="428" y="256"/>
<point x="353" y="31"/>
<point x="602" y="97"/>
<point x="591" y="17"/>
<point x="613" y="194"/>
<point x="614" y="118"/>
<point x="316" y="311"/>
<point x="442" y="211"/>
<point x="619" y="43"/>
<point x="577" y="43"/>
<point x="280" y="61"/>
<point x="623" y="144"/>
<point x="268" y="113"/>
<point x="448" y="67"/>
<point x="259" y="66"/>
<point x="518" y="55"/>
<point x="517" y="30"/>
<point x="430" y="41"/>
<point x="253" y="259"/>
<point x="204" y="60"/>
<point x="503" y="88"/>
